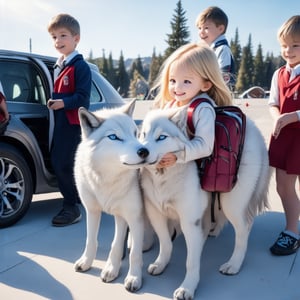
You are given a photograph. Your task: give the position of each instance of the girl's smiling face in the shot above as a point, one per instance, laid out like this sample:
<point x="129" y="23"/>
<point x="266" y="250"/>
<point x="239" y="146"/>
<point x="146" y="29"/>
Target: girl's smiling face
<point x="184" y="84"/>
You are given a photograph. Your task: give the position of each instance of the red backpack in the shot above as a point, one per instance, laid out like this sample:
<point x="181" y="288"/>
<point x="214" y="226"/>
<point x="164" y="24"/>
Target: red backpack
<point x="218" y="172"/>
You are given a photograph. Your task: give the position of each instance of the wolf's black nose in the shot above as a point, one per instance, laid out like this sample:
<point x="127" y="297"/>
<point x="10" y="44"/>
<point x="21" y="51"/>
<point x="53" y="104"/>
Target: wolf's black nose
<point x="143" y="152"/>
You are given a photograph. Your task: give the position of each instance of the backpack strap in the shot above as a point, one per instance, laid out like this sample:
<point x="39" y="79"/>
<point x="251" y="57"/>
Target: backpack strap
<point x="190" y="112"/>
<point x="190" y="124"/>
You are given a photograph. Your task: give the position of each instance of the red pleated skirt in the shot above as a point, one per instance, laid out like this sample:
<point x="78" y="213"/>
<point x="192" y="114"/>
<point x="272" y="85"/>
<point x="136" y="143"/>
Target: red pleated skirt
<point x="284" y="152"/>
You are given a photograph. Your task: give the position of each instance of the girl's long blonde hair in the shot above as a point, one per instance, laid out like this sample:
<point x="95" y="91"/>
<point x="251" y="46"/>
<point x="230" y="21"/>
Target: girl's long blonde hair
<point x="202" y="60"/>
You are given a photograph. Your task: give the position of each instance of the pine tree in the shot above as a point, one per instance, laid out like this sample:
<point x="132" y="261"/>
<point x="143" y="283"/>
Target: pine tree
<point x="132" y="69"/>
<point x="180" y="33"/>
<point x="136" y="66"/>
<point x="270" y="68"/>
<point x="154" y="68"/>
<point x="112" y="77"/>
<point x="236" y="50"/>
<point x="122" y="78"/>
<point x="104" y="68"/>
<point x="259" y="76"/>
<point x="139" y="66"/>
<point x="245" y="75"/>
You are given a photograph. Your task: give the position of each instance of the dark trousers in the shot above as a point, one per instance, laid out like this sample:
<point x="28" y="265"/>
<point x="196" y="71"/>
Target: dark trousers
<point x="66" y="138"/>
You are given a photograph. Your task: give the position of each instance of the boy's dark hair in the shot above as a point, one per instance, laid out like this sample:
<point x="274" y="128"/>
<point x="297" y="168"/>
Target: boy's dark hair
<point x="64" y="21"/>
<point x="214" y="14"/>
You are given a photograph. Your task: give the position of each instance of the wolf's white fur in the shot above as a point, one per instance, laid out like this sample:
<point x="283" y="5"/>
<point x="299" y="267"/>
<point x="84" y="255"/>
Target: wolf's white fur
<point x="107" y="181"/>
<point x="175" y="193"/>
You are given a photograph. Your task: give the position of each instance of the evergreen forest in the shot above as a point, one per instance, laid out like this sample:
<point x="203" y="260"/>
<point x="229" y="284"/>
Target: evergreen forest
<point x="134" y="78"/>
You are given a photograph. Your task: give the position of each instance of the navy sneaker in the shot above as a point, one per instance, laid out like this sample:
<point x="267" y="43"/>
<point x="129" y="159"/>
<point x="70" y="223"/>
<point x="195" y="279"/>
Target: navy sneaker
<point x="285" y="245"/>
<point x="67" y="216"/>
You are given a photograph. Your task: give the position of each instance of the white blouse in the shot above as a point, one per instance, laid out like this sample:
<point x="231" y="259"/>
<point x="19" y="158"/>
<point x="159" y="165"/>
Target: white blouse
<point x="201" y="145"/>
<point x="274" y="92"/>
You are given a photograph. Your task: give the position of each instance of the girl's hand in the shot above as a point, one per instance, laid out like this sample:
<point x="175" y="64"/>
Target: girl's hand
<point x="284" y="120"/>
<point x="167" y="160"/>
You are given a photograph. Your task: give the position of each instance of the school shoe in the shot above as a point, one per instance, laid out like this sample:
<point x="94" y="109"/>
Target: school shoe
<point x="285" y="245"/>
<point x="67" y="216"/>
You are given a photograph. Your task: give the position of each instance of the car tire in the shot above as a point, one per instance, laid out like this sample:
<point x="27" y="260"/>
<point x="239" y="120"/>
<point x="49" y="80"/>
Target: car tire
<point x="16" y="185"/>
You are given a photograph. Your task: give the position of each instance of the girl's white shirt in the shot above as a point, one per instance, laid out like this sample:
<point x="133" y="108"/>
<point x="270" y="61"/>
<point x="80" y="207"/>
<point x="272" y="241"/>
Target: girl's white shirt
<point x="204" y="122"/>
<point x="274" y="92"/>
<point x="61" y="62"/>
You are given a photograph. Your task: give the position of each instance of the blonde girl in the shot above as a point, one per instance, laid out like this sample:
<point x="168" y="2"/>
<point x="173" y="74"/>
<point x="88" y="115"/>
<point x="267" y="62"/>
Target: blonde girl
<point x="192" y="71"/>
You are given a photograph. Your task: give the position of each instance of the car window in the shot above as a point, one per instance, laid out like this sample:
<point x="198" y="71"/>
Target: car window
<point x="21" y="82"/>
<point x="95" y="94"/>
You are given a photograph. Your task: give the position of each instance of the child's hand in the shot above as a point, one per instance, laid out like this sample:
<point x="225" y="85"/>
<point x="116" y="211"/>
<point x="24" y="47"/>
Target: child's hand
<point x="55" y="104"/>
<point x="167" y="160"/>
<point x="284" y="120"/>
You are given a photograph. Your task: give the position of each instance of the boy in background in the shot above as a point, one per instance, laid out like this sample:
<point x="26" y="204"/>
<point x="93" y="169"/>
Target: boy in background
<point x="212" y="25"/>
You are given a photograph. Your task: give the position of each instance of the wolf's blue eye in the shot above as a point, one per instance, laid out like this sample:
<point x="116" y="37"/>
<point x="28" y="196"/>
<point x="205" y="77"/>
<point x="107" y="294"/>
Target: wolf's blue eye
<point x="161" y="137"/>
<point x="113" y="137"/>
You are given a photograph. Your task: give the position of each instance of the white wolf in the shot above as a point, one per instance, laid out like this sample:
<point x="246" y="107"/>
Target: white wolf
<point x="106" y="175"/>
<point x="175" y="194"/>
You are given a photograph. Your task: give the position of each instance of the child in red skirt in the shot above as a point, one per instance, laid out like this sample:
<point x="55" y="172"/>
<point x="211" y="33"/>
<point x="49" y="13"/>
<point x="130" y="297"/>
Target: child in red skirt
<point x="284" y="149"/>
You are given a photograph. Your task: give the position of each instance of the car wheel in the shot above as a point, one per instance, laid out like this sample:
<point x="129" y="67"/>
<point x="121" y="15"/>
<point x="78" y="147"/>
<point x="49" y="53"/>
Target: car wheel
<point x="16" y="188"/>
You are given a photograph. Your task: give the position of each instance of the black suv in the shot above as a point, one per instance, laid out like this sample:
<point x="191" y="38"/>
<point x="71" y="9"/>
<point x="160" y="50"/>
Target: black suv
<point x="25" y="167"/>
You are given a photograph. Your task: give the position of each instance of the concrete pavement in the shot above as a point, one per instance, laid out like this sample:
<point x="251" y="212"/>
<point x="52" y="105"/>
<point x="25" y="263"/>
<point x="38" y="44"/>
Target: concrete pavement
<point x="36" y="259"/>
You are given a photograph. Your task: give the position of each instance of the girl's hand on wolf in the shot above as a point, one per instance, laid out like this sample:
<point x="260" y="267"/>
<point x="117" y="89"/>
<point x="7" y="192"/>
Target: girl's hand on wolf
<point x="167" y="160"/>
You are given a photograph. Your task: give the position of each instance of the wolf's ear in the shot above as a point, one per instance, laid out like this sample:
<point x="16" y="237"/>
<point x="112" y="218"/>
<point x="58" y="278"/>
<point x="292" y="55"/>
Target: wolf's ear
<point x="129" y="107"/>
<point x="88" y="121"/>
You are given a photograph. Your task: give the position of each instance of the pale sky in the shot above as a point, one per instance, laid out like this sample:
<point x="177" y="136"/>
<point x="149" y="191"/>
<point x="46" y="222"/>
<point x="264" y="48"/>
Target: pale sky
<point x="136" y="27"/>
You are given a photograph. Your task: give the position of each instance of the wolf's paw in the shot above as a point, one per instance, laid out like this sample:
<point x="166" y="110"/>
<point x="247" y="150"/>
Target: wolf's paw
<point x="155" y="269"/>
<point x="83" y="264"/>
<point x="183" y="294"/>
<point x="109" y="273"/>
<point x="229" y="269"/>
<point x="132" y="283"/>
